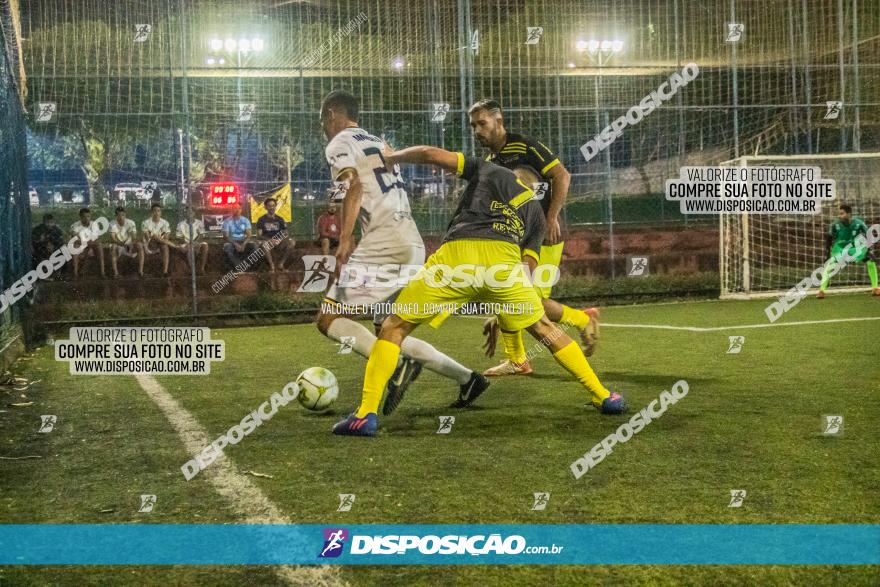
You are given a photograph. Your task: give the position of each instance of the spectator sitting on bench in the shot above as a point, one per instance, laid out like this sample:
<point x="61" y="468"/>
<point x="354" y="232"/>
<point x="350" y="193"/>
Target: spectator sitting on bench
<point x="328" y="229"/>
<point x="190" y="232"/>
<point x="274" y="228"/>
<point x="156" y="229"/>
<point x="123" y="238"/>
<point x="237" y="232"/>
<point x="85" y="228"/>
<point x="46" y="238"/>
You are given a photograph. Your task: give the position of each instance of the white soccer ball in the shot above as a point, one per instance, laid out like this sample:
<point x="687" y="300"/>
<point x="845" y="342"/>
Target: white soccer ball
<point x="318" y="388"/>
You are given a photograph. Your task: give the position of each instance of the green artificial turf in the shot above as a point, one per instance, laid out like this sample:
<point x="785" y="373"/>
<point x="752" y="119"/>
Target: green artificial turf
<point x="750" y="421"/>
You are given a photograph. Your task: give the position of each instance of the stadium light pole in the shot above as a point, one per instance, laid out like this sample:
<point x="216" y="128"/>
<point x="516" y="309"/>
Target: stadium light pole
<point x="600" y="52"/>
<point x="240" y="46"/>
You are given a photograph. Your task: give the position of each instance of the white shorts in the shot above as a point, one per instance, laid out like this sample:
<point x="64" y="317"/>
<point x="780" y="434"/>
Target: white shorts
<point x="126" y="250"/>
<point x="372" y="278"/>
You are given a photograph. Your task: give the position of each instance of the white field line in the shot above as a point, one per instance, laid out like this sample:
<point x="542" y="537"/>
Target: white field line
<point x="741" y="327"/>
<point x="718" y="328"/>
<point x="651" y="326"/>
<point x="245" y="497"/>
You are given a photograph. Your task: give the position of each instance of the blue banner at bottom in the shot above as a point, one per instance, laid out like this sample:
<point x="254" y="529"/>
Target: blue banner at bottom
<point x="586" y="544"/>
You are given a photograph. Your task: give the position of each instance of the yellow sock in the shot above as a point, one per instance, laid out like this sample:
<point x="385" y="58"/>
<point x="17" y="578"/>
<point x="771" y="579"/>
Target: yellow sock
<point x="380" y="368"/>
<point x="574" y="361"/>
<point x="513" y="346"/>
<point x="573" y="317"/>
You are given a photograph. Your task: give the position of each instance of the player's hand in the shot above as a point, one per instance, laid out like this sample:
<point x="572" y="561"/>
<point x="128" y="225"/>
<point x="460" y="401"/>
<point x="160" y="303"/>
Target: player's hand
<point x="490" y="330"/>
<point x="554" y="231"/>
<point x="343" y="252"/>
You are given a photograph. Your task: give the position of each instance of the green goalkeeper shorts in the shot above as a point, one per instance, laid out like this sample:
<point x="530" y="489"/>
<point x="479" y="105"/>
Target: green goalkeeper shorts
<point x="851" y="250"/>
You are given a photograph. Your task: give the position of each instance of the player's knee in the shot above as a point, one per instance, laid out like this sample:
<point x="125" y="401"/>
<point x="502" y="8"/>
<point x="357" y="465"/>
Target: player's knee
<point x="394" y="328"/>
<point x="541" y="327"/>
<point x="323" y="323"/>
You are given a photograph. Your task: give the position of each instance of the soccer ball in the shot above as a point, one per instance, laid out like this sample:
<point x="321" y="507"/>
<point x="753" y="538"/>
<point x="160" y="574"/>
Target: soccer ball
<point x="318" y="388"/>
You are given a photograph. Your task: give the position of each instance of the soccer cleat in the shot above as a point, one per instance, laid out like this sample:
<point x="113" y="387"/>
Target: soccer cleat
<point x="613" y="404"/>
<point x="820" y="295"/>
<point x="875" y="291"/>
<point x="470" y="391"/>
<point x="508" y="367"/>
<point x="590" y="333"/>
<point x="354" y="426"/>
<point x="407" y="372"/>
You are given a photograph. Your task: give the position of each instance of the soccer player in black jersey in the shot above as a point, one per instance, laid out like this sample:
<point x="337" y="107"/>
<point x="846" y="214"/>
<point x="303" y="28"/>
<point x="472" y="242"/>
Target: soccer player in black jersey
<point x="512" y="150"/>
<point x="495" y="229"/>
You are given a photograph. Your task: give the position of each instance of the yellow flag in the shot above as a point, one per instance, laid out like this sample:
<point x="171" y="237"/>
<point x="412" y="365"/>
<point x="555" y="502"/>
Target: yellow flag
<point x="282" y="195"/>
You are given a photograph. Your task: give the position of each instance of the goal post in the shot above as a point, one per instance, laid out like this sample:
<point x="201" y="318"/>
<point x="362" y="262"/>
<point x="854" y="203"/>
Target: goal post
<point x="765" y="255"/>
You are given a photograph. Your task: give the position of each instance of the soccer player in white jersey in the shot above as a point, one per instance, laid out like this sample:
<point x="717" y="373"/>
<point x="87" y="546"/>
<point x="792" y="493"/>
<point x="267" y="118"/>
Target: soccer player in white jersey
<point x="389" y="239"/>
<point x="123" y="235"/>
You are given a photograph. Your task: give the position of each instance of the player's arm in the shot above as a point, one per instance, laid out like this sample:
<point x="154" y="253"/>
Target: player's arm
<point x="283" y="226"/>
<point x="560" y="180"/>
<point x="351" y="207"/>
<point x="551" y="169"/>
<point x="118" y="236"/>
<point x="425" y="155"/>
<point x="829" y="239"/>
<point x="530" y="262"/>
<point x="533" y="219"/>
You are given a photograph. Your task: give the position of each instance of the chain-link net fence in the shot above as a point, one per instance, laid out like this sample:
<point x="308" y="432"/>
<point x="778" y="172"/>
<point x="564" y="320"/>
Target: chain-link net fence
<point x="133" y="102"/>
<point x="15" y="213"/>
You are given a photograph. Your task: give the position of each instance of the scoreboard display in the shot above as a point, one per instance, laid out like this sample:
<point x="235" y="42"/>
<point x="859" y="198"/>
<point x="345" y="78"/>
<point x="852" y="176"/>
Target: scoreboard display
<point x="224" y="194"/>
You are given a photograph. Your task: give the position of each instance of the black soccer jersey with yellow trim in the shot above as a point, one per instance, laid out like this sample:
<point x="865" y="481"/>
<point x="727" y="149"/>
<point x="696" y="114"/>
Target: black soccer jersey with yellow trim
<point x="496" y="205"/>
<point x="520" y="150"/>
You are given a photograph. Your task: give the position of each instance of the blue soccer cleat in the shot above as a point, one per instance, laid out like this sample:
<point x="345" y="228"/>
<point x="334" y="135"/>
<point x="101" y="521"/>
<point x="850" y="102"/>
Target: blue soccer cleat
<point x="354" y="426"/>
<point x="613" y="404"/>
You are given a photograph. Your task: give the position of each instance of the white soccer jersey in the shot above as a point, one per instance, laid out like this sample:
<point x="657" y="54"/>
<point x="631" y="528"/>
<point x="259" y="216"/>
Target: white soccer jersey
<point x="83" y="231"/>
<point x="198" y="229"/>
<point x="385" y="214"/>
<point x="125" y="233"/>
<point x="154" y="229"/>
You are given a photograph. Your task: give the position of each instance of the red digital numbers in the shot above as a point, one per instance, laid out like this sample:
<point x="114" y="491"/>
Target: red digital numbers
<point x="224" y="194"/>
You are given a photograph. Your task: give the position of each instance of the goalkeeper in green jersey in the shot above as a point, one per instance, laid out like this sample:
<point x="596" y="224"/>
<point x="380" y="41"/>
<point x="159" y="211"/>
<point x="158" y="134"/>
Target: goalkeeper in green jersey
<point x="840" y="240"/>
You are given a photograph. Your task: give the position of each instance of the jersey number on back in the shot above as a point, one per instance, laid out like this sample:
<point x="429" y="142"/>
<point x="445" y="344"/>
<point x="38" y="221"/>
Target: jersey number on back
<point x="386" y="180"/>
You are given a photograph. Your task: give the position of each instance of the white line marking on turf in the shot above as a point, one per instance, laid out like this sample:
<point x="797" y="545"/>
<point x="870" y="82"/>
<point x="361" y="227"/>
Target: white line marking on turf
<point x="651" y="326"/>
<point x="741" y="327"/>
<point x="720" y="328"/>
<point x="245" y="497"/>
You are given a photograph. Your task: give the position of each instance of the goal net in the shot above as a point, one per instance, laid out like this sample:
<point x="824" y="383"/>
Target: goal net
<point x="767" y="254"/>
